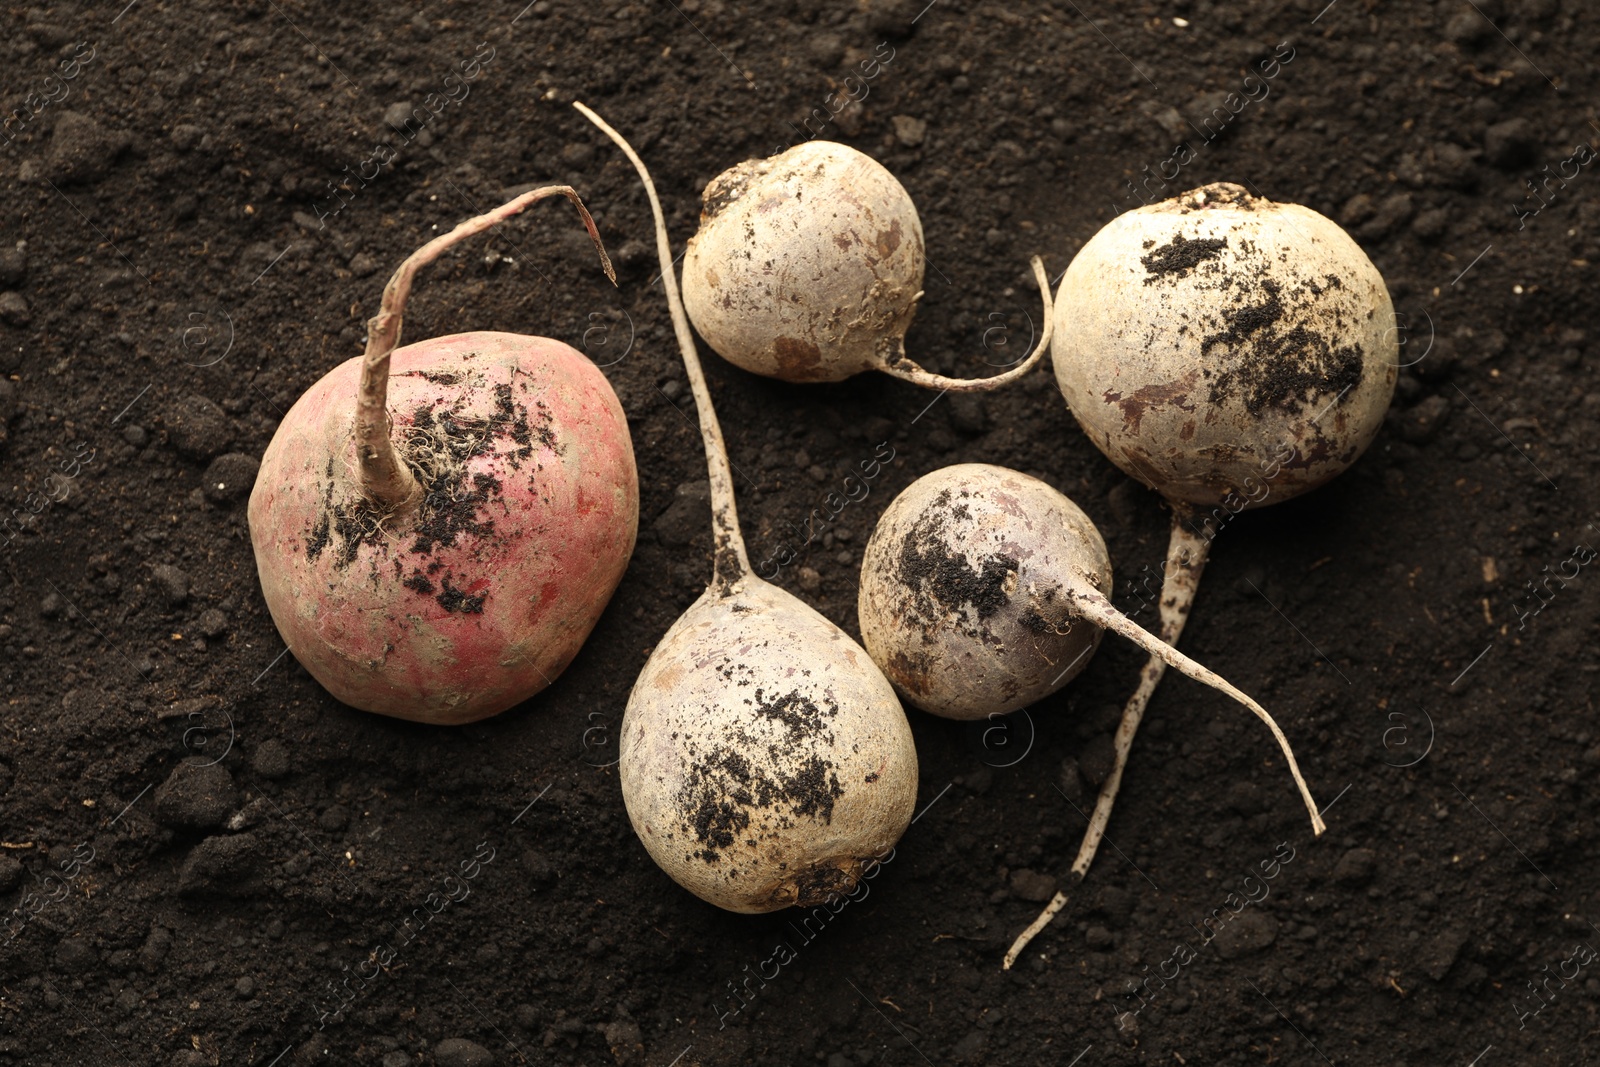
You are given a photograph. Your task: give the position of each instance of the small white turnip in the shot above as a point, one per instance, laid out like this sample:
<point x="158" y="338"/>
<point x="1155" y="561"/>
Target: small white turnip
<point x="962" y="598"/>
<point x="984" y="589"/>
<point x="808" y="266"/>
<point x="765" y="761"/>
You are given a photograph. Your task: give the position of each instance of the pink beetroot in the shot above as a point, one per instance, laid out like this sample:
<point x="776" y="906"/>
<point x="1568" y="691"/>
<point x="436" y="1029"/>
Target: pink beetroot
<point x="438" y="527"/>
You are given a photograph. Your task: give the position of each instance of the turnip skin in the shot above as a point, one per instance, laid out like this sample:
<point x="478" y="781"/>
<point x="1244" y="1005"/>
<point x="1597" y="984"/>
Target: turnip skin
<point x="554" y="541"/>
<point x="1229" y="422"/>
<point x="764" y="760"/>
<point x="961" y="600"/>
<point x="818" y="316"/>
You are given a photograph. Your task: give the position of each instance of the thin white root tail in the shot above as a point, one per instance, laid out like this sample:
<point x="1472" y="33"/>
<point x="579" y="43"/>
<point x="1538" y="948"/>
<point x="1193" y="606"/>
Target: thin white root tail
<point x="1094" y="606"/>
<point x="910" y="371"/>
<point x="1057" y="902"/>
<point x="1186" y="561"/>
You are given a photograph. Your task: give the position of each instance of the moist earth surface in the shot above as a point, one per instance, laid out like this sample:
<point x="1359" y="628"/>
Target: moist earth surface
<point x="205" y="859"/>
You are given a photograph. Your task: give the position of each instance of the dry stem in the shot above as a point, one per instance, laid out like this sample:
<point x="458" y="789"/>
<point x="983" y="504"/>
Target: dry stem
<point x="385" y="477"/>
<point x="730" y="562"/>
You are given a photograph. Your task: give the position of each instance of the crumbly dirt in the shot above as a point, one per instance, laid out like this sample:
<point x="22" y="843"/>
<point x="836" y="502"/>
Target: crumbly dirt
<point x="1281" y="366"/>
<point x="198" y="223"/>
<point x="722" y="788"/>
<point x="941" y="586"/>
<point x="438" y="441"/>
<point x="1179" y="256"/>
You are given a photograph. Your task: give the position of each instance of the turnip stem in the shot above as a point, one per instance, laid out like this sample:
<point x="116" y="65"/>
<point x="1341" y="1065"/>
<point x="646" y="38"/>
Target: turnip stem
<point x="910" y="371"/>
<point x="385" y="477"/>
<point x="730" y="562"/>
<point x="1186" y="560"/>
<point x="1090" y="603"/>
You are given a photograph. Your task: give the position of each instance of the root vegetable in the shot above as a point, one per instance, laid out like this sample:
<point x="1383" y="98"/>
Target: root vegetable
<point x="765" y="761"/>
<point x="1229" y="352"/>
<point x="962" y="600"/>
<point x="984" y="590"/>
<point x="808" y="266"/>
<point x="438" y="527"/>
<point x="1225" y="350"/>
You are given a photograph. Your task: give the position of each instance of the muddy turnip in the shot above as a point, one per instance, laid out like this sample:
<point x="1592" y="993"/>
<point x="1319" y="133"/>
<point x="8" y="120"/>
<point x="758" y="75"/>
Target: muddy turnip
<point x="1225" y="350"/>
<point x="963" y="602"/>
<point x="1228" y="352"/>
<point x="808" y="266"/>
<point x="438" y="527"/>
<point x="765" y="762"/>
<point x="984" y="590"/>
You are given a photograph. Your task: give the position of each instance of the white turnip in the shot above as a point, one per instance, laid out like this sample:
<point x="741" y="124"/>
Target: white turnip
<point x="984" y="590"/>
<point x="1225" y="350"/>
<point x="438" y="527"/>
<point x="1228" y="352"/>
<point x="765" y="762"/>
<point x="963" y="601"/>
<point x="808" y="266"/>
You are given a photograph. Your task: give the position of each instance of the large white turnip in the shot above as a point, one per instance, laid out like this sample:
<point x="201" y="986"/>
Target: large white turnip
<point x="1225" y="350"/>
<point x="765" y="762"/>
<point x="1228" y="352"/>
<point x="438" y="527"/>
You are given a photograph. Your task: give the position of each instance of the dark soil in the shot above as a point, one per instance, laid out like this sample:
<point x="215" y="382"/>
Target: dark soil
<point x="199" y="221"/>
<point x="940" y="584"/>
<point x="1181" y="255"/>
